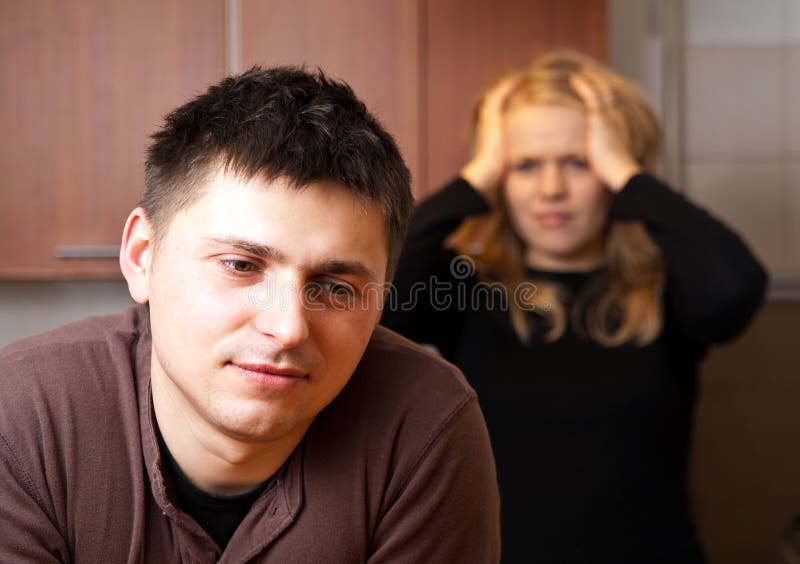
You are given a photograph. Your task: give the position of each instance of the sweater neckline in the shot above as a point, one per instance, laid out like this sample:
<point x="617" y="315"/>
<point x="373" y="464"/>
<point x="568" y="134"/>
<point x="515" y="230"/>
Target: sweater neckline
<point x="574" y="280"/>
<point x="542" y="273"/>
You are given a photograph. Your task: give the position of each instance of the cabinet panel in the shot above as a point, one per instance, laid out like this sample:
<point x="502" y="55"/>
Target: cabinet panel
<point x="371" y="44"/>
<point x="91" y="80"/>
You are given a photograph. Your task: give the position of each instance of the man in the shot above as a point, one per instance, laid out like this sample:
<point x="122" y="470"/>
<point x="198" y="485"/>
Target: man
<point x="790" y="543"/>
<point x="249" y="409"/>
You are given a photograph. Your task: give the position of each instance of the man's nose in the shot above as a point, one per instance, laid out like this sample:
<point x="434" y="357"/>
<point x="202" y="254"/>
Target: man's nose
<point x="284" y="316"/>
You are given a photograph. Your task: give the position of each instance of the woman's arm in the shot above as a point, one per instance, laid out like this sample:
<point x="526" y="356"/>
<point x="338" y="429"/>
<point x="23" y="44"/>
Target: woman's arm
<point x="714" y="283"/>
<point x="415" y="307"/>
<point x="425" y="268"/>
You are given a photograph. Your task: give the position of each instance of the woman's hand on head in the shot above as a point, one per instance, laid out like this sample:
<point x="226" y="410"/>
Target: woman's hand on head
<point x="487" y="166"/>
<point x="608" y="152"/>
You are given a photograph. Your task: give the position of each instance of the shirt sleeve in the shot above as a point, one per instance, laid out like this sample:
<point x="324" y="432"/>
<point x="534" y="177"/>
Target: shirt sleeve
<point x="449" y="508"/>
<point x="424" y="267"/>
<point x="29" y="535"/>
<point x="714" y="283"/>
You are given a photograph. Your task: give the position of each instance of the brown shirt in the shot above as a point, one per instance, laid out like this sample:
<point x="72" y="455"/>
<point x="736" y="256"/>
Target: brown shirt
<point x="398" y="468"/>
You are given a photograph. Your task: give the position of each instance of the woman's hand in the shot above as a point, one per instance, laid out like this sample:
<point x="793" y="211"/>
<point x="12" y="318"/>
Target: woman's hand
<point x="488" y="164"/>
<point x="608" y="151"/>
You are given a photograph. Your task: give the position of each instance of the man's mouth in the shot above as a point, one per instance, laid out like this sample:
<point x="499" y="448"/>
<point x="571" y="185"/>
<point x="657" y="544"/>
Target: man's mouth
<point x="269" y="376"/>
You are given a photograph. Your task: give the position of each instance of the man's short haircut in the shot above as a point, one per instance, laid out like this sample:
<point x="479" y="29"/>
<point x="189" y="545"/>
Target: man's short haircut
<point x="277" y="123"/>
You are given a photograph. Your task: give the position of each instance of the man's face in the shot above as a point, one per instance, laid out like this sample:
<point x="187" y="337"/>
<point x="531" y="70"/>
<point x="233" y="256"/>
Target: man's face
<point x="262" y="301"/>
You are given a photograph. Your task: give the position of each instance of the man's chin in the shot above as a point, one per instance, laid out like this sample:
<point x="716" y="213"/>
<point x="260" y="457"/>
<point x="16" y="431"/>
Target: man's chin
<point x="252" y="424"/>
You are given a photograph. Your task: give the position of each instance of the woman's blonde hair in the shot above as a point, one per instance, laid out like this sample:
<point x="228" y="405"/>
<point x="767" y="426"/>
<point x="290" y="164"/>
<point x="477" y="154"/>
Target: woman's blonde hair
<point x="624" y="303"/>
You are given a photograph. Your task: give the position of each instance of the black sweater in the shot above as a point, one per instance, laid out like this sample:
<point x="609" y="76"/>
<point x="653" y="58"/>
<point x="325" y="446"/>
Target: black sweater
<point x="590" y="442"/>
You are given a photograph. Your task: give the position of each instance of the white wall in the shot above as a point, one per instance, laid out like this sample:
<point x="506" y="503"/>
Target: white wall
<point x="31" y="307"/>
<point x="725" y="76"/>
<point x="742" y="121"/>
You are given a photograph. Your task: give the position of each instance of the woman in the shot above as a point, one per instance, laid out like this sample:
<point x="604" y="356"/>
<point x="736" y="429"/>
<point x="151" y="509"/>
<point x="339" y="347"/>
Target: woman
<point x="614" y="288"/>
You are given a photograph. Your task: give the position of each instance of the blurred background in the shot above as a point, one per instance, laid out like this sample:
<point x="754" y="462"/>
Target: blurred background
<point x="84" y="82"/>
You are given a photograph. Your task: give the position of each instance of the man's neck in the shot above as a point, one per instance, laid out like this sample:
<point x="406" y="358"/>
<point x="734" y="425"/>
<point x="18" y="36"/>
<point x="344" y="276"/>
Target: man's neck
<point x="213" y="461"/>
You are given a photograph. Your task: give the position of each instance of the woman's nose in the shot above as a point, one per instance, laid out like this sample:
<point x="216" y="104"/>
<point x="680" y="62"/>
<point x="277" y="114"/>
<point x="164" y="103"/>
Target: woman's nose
<point x="552" y="184"/>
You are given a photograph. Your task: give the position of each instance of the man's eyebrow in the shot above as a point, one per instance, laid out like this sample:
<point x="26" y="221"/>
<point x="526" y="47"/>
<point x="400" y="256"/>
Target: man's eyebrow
<point x="332" y="266"/>
<point x="251" y="247"/>
<point x="353" y="268"/>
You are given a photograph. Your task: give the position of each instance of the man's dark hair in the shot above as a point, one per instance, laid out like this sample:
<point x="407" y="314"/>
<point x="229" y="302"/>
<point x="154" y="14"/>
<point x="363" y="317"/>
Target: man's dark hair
<point x="277" y="123"/>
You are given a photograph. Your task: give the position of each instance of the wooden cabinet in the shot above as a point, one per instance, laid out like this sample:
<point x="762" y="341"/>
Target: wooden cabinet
<point x="86" y="82"/>
<point x="419" y="64"/>
<point x="371" y="44"/>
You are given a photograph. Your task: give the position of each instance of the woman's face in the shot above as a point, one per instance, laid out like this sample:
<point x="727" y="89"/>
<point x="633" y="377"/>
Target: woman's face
<point x="556" y="204"/>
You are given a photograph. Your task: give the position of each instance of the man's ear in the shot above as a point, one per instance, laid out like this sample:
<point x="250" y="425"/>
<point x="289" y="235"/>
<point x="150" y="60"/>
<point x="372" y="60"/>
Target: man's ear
<point x="136" y="254"/>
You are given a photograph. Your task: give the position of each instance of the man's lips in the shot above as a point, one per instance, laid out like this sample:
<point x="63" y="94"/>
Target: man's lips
<point x="269" y="369"/>
<point x="269" y="376"/>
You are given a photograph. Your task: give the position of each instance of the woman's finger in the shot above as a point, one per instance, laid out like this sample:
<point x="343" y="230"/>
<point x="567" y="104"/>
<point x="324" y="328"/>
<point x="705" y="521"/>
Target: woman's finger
<point x="497" y="96"/>
<point x="595" y="94"/>
<point x="587" y="93"/>
<point x="485" y="169"/>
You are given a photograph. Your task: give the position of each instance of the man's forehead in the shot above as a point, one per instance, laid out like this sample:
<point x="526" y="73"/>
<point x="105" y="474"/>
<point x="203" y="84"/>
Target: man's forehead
<point x="223" y="183"/>
<point x="322" y="222"/>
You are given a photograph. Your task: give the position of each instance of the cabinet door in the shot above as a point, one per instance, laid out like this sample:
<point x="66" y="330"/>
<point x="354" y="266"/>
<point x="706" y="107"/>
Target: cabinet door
<point x="373" y="45"/>
<point x="419" y="64"/>
<point x="85" y="83"/>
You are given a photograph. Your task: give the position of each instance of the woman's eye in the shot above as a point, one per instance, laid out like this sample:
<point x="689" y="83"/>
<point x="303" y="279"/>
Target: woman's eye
<point x="526" y="165"/>
<point x="577" y="162"/>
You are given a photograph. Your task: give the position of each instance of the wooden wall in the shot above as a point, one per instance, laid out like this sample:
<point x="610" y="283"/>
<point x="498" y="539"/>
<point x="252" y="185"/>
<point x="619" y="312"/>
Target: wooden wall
<point x="746" y="460"/>
<point x="87" y="81"/>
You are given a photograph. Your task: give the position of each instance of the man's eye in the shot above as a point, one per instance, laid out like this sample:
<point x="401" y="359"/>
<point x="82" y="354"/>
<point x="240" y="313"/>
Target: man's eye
<point x="329" y="294"/>
<point x="338" y="289"/>
<point x="239" y="266"/>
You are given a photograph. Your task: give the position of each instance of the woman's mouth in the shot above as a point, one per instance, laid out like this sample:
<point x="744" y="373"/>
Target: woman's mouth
<point x="553" y="219"/>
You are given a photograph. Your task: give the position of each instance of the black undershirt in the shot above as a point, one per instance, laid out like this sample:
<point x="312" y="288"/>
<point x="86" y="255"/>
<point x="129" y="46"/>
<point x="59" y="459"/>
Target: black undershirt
<point x="219" y="515"/>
